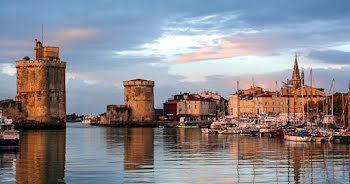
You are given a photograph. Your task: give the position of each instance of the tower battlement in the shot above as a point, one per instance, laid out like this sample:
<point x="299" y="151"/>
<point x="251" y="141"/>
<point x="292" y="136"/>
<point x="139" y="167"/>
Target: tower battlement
<point x="40" y="63"/>
<point x="138" y="82"/>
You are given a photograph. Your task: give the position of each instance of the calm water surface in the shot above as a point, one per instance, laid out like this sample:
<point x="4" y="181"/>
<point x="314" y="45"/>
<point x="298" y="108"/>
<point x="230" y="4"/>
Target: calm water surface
<point x="86" y="154"/>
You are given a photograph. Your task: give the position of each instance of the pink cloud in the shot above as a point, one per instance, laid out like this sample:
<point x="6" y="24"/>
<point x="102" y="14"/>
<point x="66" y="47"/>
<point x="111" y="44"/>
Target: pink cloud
<point x="70" y="35"/>
<point x="227" y="48"/>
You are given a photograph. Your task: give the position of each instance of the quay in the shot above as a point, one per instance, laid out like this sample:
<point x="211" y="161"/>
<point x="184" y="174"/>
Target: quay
<point x="36" y="125"/>
<point x="165" y="124"/>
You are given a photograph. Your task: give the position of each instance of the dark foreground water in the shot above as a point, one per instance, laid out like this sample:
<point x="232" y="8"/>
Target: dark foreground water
<point x="86" y="154"/>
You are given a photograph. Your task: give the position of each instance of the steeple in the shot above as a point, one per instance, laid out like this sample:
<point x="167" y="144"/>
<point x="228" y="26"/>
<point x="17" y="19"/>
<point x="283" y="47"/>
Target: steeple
<point x="302" y="77"/>
<point x="296" y="75"/>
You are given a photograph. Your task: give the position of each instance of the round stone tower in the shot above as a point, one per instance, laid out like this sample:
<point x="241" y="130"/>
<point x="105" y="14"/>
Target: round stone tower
<point x="139" y="97"/>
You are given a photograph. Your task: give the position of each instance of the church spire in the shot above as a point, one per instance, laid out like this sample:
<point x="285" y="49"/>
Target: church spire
<point x="296" y="75"/>
<point x="302" y="77"/>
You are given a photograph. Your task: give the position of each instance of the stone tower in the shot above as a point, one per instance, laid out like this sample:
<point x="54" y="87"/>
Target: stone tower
<point x="139" y="97"/>
<point x="296" y="75"/>
<point x="41" y="85"/>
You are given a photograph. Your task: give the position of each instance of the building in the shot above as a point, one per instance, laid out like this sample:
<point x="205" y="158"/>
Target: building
<point x="41" y="89"/>
<point x="138" y="104"/>
<point x="170" y="110"/>
<point x="117" y="113"/>
<point x="221" y="102"/>
<point x="291" y="98"/>
<point x="139" y="97"/>
<point x="192" y="106"/>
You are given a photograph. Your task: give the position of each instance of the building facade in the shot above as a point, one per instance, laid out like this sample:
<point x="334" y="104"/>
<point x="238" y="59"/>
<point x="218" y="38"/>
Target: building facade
<point x="221" y="102"/>
<point x="191" y="106"/>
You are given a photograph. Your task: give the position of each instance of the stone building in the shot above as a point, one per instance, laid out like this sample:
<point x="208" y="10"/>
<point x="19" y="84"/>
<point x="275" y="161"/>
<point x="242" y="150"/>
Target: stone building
<point x="289" y="99"/>
<point x="117" y="113"/>
<point x="41" y="90"/>
<point x="139" y="97"/>
<point x="191" y="106"/>
<point x="221" y="102"/>
<point x="139" y="104"/>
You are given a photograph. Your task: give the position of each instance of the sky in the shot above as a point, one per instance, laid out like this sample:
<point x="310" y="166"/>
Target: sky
<point x="187" y="46"/>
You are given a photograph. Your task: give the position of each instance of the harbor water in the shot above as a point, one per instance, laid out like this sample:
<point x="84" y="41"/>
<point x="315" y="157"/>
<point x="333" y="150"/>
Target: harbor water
<point x="90" y="154"/>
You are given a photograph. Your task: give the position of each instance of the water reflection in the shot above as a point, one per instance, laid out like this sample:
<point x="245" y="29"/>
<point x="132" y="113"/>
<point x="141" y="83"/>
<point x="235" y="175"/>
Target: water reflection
<point x="41" y="157"/>
<point x="146" y="155"/>
<point x="138" y="148"/>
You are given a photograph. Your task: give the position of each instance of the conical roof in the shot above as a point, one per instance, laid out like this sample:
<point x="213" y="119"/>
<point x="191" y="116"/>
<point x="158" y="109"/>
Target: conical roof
<point x="296" y="75"/>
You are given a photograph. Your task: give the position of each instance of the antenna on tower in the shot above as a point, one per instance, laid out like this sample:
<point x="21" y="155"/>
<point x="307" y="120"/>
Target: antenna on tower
<point x="42" y="34"/>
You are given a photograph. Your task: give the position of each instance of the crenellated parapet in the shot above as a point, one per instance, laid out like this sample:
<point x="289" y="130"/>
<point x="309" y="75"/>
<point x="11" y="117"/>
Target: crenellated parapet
<point x="138" y="82"/>
<point x="40" y="63"/>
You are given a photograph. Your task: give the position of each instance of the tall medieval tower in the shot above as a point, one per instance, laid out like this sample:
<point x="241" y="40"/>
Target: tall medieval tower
<point x="41" y="88"/>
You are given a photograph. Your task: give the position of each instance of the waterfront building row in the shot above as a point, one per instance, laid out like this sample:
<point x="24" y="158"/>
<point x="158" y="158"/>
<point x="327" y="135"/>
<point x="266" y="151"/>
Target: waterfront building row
<point x="291" y="98"/>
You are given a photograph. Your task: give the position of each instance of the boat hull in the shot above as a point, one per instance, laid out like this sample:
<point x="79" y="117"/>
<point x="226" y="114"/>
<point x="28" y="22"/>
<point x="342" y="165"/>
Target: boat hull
<point x="298" y="138"/>
<point x="9" y="142"/>
<point x="182" y="126"/>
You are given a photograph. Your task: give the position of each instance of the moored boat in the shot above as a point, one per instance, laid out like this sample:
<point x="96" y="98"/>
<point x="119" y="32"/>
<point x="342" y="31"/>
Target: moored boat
<point x="188" y="124"/>
<point x="301" y="136"/>
<point x="8" y="135"/>
<point x="87" y="119"/>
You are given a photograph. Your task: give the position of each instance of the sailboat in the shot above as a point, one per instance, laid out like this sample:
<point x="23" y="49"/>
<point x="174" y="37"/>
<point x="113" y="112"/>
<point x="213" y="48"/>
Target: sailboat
<point x="297" y="134"/>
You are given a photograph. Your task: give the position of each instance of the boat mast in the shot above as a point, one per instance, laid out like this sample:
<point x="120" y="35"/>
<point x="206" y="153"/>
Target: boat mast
<point x="287" y="101"/>
<point x="238" y="103"/>
<point x="294" y="110"/>
<point x="302" y="100"/>
<point x="332" y="98"/>
<point x="276" y="101"/>
<point x="311" y="99"/>
<point x="326" y="107"/>
<point x="347" y="99"/>
<point x="254" y="98"/>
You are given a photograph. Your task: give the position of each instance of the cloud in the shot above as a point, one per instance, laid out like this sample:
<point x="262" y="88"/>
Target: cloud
<point x="16" y="44"/>
<point x="227" y="48"/>
<point x="331" y="56"/>
<point x="114" y="41"/>
<point x="70" y="35"/>
<point x="8" y="69"/>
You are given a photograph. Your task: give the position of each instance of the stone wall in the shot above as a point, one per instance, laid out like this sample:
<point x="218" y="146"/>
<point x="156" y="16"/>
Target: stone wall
<point x="117" y="113"/>
<point x="13" y="110"/>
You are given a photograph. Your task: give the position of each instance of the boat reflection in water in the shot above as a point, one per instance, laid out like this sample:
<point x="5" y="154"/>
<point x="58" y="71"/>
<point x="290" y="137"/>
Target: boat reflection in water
<point x="42" y="156"/>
